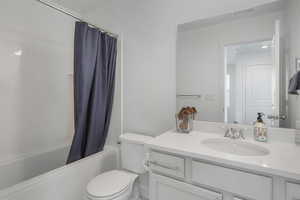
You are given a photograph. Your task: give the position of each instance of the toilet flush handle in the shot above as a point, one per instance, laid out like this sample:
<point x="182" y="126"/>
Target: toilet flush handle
<point x="146" y="162"/>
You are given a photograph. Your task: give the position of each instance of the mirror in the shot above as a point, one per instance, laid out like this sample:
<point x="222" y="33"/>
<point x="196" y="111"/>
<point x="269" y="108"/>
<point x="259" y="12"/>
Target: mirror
<point x="233" y="66"/>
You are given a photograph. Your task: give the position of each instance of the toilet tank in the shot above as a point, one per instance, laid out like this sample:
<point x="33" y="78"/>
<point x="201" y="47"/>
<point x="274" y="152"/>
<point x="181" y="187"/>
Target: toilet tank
<point x="133" y="153"/>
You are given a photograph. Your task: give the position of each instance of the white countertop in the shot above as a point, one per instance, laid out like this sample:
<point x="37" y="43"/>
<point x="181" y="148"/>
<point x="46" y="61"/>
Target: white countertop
<point x="283" y="160"/>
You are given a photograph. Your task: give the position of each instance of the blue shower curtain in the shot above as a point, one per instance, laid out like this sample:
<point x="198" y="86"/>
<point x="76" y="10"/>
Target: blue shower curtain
<point x="94" y="81"/>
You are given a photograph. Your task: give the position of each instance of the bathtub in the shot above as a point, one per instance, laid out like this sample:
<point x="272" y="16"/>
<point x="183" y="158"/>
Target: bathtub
<point x="67" y="182"/>
<point x="27" y="166"/>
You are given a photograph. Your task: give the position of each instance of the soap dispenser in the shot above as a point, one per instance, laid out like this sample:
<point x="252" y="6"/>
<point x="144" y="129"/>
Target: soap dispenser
<point x="260" y="129"/>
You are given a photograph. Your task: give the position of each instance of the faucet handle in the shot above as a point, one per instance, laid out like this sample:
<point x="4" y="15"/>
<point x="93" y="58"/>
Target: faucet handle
<point x="234" y="132"/>
<point x="241" y="133"/>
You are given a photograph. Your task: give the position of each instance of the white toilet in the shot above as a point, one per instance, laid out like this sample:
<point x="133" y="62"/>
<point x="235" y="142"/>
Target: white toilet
<point x="119" y="184"/>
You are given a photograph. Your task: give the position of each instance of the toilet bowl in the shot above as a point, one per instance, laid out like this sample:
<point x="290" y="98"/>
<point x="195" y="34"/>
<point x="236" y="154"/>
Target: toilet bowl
<point x="111" y="185"/>
<point x="120" y="184"/>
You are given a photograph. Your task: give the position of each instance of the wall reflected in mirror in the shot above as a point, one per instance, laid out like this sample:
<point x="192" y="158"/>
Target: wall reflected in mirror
<point x="233" y="66"/>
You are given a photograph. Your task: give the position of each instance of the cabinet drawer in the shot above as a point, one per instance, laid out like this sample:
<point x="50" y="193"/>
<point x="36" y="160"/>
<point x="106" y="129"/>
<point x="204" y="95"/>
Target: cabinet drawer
<point x="237" y="182"/>
<point x="163" y="188"/>
<point x="292" y="191"/>
<point x="167" y="165"/>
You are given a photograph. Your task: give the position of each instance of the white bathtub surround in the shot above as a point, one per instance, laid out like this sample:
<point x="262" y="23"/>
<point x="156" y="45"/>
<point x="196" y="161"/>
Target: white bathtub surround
<point x="65" y="183"/>
<point x="24" y="167"/>
<point x="198" y="164"/>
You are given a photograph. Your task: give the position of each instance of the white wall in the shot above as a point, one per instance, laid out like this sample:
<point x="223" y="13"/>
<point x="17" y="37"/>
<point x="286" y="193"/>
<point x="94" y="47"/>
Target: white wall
<point x="200" y="59"/>
<point x="293" y="51"/>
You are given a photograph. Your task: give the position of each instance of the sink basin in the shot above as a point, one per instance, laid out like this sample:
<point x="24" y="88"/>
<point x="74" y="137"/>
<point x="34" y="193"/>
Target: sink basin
<point x="240" y="148"/>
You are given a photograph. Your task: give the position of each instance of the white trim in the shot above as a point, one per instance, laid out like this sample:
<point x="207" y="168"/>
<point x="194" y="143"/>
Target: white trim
<point x="121" y="51"/>
<point x="225" y="103"/>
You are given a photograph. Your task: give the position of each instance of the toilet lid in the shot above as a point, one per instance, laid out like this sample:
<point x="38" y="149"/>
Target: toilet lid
<point x="109" y="183"/>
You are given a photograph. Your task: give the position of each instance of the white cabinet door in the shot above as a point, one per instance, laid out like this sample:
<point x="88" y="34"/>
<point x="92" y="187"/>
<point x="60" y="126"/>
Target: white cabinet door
<point x="163" y="188"/>
<point x="258" y="92"/>
<point x="293" y="191"/>
<point x="244" y="184"/>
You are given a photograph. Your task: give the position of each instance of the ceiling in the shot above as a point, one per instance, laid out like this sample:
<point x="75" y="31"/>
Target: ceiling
<point x="79" y="6"/>
<point x="233" y="51"/>
<point x="263" y="9"/>
<point x="181" y="11"/>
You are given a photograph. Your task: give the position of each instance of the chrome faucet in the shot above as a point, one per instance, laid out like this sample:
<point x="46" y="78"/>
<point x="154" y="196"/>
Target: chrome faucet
<point x="234" y="133"/>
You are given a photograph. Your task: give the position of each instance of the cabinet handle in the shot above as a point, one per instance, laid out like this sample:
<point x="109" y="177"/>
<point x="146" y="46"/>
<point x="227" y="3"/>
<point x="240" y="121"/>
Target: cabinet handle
<point x="164" y="166"/>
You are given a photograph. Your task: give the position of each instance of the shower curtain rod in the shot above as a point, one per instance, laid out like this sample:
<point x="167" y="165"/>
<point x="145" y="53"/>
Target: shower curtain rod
<point x="61" y="10"/>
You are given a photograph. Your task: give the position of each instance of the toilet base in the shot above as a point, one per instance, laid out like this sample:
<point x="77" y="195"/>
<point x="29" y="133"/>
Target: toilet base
<point x="135" y="194"/>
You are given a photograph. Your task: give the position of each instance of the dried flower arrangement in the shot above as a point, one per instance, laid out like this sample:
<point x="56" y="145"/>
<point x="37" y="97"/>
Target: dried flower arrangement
<point x="185" y="118"/>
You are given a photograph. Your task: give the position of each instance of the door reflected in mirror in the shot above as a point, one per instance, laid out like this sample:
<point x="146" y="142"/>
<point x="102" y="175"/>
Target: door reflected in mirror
<point x="250" y="82"/>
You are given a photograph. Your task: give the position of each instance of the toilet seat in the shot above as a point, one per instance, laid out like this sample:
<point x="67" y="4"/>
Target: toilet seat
<point x="110" y="185"/>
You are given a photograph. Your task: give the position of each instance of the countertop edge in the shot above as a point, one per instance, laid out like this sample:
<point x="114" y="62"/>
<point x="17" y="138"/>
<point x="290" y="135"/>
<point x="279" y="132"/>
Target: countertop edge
<point x="267" y="171"/>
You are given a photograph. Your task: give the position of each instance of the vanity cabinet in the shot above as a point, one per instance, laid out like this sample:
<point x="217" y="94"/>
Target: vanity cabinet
<point x="203" y="165"/>
<point x="292" y="191"/>
<point x="164" y="188"/>
<point x="178" y="178"/>
<point x="253" y="186"/>
<point x="185" y="178"/>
